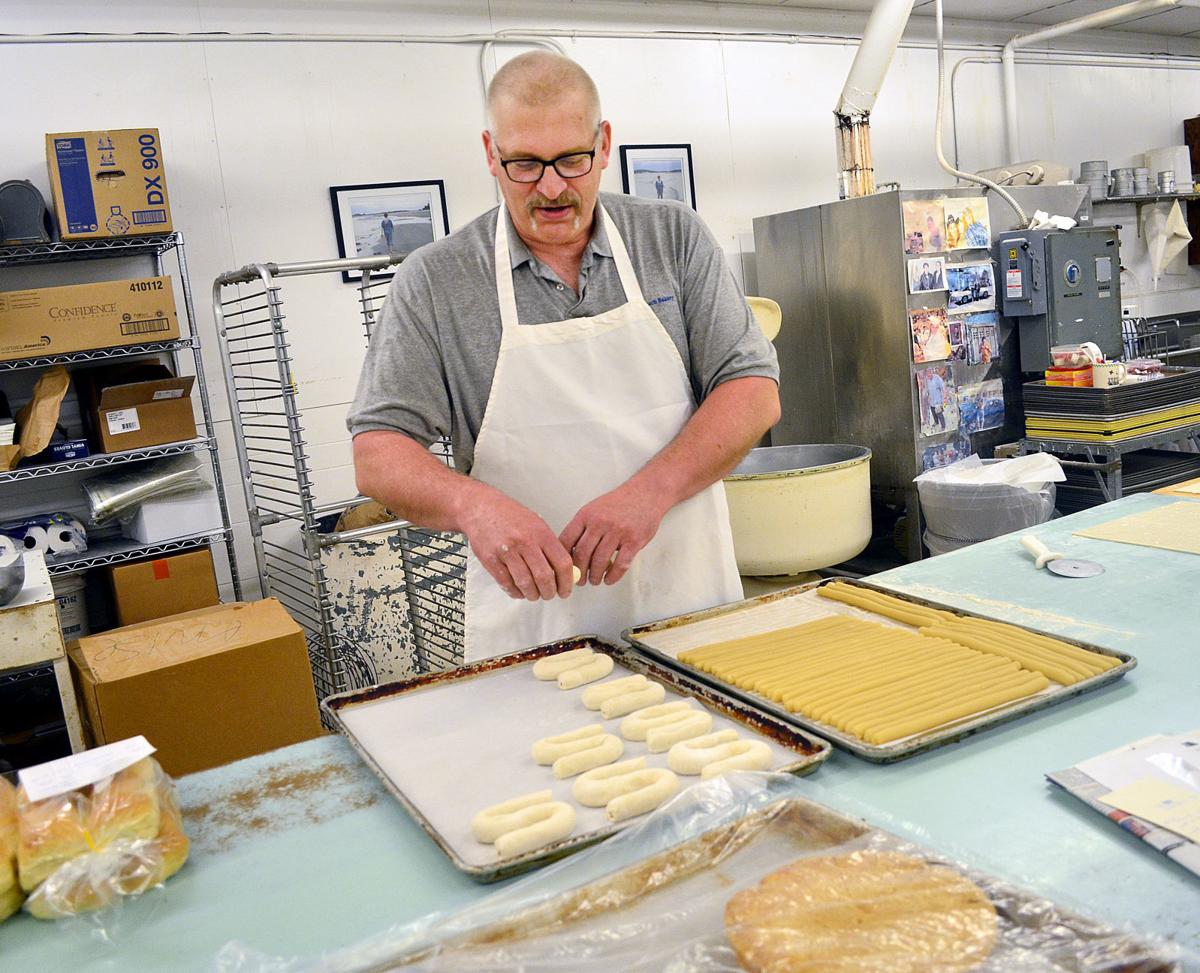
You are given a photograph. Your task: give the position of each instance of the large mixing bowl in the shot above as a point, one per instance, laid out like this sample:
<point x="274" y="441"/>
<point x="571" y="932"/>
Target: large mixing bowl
<point x="799" y="508"/>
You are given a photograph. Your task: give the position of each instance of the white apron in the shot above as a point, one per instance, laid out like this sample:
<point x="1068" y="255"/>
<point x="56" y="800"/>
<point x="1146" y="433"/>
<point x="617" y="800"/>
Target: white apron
<point x="576" y="408"/>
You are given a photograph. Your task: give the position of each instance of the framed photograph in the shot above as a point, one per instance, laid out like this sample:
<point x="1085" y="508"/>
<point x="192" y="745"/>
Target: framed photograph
<point x="658" y="172"/>
<point x="967" y="226"/>
<point x="926" y="274"/>
<point x="972" y="287"/>
<point x="375" y="219"/>
<point x="924" y="225"/>
<point x="983" y="341"/>
<point x="939" y="403"/>
<point x="930" y="335"/>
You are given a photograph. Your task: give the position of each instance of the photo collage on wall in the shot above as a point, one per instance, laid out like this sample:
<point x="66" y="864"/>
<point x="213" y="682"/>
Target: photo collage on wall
<point x="954" y="331"/>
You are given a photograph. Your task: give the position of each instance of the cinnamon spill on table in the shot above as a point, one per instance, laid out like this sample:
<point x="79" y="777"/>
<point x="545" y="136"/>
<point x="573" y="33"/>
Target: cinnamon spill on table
<point x="287" y="796"/>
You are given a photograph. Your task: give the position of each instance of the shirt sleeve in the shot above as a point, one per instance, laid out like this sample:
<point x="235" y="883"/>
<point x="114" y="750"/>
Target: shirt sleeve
<point x="724" y="340"/>
<point x="402" y="386"/>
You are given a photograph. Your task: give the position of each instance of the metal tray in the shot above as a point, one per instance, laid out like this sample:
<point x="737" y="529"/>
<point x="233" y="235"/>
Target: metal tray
<point x="683" y="890"/>
<point x="642" y="637"/>
<point x="448" y="744"/>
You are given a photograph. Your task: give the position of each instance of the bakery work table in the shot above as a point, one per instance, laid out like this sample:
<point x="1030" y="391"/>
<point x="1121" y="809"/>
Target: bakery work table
<point x="301" y="851"/>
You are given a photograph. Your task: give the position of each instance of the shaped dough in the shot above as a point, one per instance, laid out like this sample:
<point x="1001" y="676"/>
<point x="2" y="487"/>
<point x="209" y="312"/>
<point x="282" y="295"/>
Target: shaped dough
<point x="595" y="668"/>
<point x="549" y="667"/>
<point x="493" y="821"/>
<point x="549" y="749"/>
<point x="603" y="750"/>
<point x="750" y="755"/>
<point x="627" y="702"/>
<point x="540" y="825"/>
<point x="594" y="696"/>
<point x="649" y="788"/>
<point x="635" y="725"/>
<point x="661" y="738"/>
<point x="690" y="756"/>
<point x="597" y="787"/>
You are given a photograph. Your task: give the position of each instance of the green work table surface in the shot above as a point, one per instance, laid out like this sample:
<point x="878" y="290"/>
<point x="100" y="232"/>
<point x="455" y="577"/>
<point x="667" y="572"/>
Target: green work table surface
<point x="302" y="851"/>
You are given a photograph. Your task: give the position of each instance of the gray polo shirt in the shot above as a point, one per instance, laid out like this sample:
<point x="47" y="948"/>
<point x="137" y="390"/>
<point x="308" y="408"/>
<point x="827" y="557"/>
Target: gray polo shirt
<point x="433" y="352"/>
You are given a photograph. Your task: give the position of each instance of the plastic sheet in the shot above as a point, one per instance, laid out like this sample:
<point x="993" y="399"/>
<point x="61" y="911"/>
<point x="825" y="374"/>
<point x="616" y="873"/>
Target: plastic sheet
<point x="974" y="500"/>
<point x="114" y="494"/>
<point x="657" y="897"/>
<point x="84" y="850"/>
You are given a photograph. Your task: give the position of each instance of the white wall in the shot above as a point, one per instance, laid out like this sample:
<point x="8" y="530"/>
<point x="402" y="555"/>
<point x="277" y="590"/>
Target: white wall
<point x="255" y="133"/>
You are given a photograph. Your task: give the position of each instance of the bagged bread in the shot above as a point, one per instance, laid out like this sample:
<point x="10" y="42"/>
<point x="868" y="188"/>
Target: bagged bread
<point x="11" y="894"/>
<point x="83" y="850"/>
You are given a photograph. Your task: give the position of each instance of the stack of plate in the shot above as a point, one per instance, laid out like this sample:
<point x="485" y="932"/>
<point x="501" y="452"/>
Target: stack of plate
<point x="1123" y="182"/>
<point x="1094" y="175"/>
<point x="1141" y="181"/>
<point x="1141" y="472"/>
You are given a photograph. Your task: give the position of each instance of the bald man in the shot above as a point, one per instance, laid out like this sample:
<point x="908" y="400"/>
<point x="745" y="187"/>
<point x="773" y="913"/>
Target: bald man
<point x="594" y="363"/>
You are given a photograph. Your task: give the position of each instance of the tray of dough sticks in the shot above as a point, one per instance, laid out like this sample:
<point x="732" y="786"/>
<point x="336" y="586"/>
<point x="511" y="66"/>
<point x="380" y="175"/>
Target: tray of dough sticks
<point x="515" y="761"/>
<point x="882" y="675"/>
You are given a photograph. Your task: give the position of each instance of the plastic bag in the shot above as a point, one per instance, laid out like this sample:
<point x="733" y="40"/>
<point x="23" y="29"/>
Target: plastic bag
<point x="974" y="499"/>
<point x="113" y="494"/>
<point x="84" y="850"/>
<point x="657" y="897"/>
<point x="11" y="893"/>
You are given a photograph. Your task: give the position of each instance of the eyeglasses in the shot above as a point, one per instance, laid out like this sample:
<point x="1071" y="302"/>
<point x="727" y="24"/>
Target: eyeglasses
<point x="569" y="166"/>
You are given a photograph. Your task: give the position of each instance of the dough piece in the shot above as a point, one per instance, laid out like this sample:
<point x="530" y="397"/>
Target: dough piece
<point x="543" y="824"/>
<point x="490" y="823"/>
<point x="549" y="667"/>
<point x="594" y="696"/>
<point x="597" y="667"/>
<point x="647" y="789"/>
<point x="601" y="750"/>
<point x="862" y="912"/>
<point x="597" y="787"/>
<point x="549" y="749"/>
<point x="627" y="702"/>
<point x="747" y="755"/>
<point x="636" y="724"/>
<point x="662" y="738"/>
<point x="691" y="756"/>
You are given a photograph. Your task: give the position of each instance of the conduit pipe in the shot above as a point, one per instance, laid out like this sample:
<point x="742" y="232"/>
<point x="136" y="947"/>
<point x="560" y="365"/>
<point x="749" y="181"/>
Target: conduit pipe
<point x="1102" y="18"/>
<point x="852" y="116"/>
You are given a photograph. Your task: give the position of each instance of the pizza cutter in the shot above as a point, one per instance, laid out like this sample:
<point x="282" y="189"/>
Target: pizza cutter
<point x="1057" y="563"/>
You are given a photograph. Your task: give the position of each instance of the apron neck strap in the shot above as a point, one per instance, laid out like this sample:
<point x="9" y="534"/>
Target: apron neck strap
<point x="504" y="278"/>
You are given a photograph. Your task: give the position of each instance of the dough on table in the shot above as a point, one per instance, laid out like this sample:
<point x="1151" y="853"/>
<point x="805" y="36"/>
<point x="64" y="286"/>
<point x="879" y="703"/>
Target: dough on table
<point x="595" y="668"/>
<point x="626" y="789"/>
<point x="691" y="756"/>
<point x="696" y="723"/>
<point x="524" y="823"/>
<point x="549" y="667"/>
<point x="597" y="787"/>
<point x="594" y="696"/>
<point x="627" y="702"/>
<point x="862" y="912"/>
<point x="746" y="755"/>
<point x="603" y="750"/>
<point x="549" y="749"/>
<point x="637" y="723"/>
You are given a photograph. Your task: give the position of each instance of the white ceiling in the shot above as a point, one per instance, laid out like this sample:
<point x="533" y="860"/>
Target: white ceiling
<point x="1174" y="22"/>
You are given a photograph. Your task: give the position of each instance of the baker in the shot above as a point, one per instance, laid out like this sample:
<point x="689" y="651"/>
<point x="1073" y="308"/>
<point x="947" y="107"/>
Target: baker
<point x="598" y="372"/>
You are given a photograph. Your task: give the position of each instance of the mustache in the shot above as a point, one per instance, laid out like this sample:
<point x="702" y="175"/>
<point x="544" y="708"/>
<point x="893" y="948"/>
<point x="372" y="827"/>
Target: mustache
<point x="565" y="198"/>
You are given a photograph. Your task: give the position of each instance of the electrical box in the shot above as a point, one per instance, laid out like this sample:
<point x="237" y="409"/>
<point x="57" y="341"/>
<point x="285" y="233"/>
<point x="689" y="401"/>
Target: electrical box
<point x="1062" y="287"/>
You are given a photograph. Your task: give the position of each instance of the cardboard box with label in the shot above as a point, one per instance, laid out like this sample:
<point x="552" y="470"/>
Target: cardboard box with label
<point x="145" y="590"/>
<point x="80" y="317"/>
<point x="137" y="404"/>
<point x="206" y="687"/>
<point x="108" y="184"/>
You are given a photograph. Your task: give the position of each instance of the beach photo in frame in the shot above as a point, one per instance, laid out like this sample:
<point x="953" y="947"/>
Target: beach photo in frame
<point x="658" y="172"/>
<point x="377" y="219"/>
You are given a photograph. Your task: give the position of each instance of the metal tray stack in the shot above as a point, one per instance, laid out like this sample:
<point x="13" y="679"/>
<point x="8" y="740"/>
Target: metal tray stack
<point x="1115" y="414"/>
<point x="1142" y="471"/>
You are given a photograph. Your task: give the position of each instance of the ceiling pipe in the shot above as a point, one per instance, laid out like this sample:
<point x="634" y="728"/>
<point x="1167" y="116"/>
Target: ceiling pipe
<point x="852" y="116"/>
<point x="1008" y="59"/>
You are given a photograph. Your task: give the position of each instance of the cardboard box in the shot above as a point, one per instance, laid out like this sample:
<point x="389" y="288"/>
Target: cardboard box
<point x="135" y="404"/>
<point x="80" y="317"/>
<point x="165" y="518"/>
<point x="106" y="184"/>
<point x="206" y="687"/>
<point x="145" y="590"/>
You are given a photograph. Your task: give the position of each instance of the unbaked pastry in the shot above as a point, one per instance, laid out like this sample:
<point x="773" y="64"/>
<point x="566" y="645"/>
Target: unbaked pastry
<point x="627" y="702"/>
<point x="744" y="755"/>
<point x="602" y="750"/>
<point x="691" y="756"/>
<point x="594" y="696"/>
<point x="595" y="668"/>
<point x="637" y="723"/>
<point x="549" y="749"/>
<point x="549" y="667"/>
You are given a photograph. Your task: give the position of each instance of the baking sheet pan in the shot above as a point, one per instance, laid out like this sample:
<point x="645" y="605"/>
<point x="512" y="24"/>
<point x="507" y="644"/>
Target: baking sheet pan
<point x="681" y="893"/>
<point x="664" y="640"/>
<point x="451" y="743"/>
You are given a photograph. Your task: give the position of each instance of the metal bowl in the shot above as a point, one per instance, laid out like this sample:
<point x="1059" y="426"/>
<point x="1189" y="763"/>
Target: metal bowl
<point x="12" y="580"/>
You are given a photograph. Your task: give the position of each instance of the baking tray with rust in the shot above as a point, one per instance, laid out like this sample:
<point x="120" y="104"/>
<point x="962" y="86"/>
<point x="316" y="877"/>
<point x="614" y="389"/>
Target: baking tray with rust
<point x="449" y="744"/>
<point x="663" y="640"/>
<point x="667" y="911"/>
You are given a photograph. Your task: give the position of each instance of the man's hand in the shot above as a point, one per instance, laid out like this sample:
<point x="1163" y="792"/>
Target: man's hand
<point x="517" y="547"/>
<point x="606" y="534"/>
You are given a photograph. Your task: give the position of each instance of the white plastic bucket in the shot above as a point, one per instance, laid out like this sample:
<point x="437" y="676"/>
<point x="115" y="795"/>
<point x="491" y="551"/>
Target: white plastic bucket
<point x="72" y="608"/>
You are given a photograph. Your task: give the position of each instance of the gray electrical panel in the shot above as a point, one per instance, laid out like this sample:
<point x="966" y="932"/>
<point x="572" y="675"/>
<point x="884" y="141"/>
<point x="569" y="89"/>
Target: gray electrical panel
<point x="1061" y="287"/>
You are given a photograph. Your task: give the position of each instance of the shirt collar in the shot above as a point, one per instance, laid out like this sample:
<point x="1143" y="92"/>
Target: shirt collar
<point x="518" y="252"/>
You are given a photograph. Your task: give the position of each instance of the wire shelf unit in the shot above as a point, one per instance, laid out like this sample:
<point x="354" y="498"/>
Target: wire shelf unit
<point x="287" y="520"/>
<point x="101" y="460"/>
